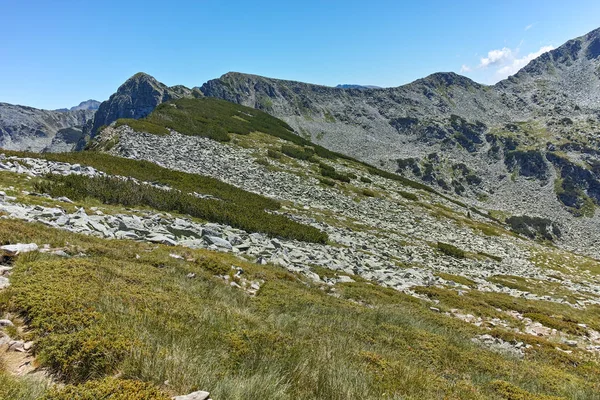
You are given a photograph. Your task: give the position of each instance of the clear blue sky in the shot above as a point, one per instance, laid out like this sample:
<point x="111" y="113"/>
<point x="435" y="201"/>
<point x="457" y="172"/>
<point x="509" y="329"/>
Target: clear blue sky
<point x="57" y="53"/>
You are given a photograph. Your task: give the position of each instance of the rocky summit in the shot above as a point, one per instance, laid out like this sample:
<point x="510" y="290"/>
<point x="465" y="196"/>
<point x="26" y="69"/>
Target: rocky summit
<point x="260" y="238"/>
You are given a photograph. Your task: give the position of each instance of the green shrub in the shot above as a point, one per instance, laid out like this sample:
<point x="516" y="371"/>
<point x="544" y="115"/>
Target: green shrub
<point x="110" y="190"/>
<point x="490" y="256"/>
<point x="109" y="389"/>
<point x="364" y="179"/>
<point x="263" y="161"/>
<point x="140" y="125"/>
<point x="273" y="154"/>
<point x="215" y="119"/>
<point x="368" y="193"/>
<point x="333" y="174"/>
<point x="451" y="250"/>
<point x="305" y="153"/>
<point x="409" y="196"/>
<point x="327" y="182"/>
<point x="326" y="167"/>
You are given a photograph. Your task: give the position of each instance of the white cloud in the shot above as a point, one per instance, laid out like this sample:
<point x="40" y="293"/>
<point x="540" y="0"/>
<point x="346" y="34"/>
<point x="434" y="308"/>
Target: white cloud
<point x="528" y="27"/>
<point x="496" y="57"/>
<point x="501" y="63"/>
<point x="517" y="63"/>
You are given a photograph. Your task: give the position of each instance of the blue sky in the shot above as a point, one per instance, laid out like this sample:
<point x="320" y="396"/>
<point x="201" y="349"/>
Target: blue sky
<point x="57" y="53"/>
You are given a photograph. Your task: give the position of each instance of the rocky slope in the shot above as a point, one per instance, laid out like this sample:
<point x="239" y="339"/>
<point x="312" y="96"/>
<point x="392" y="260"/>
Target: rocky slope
<point x="532" y="136"/>
<point x="31" y="129"/>
<point x="497" y="292"/>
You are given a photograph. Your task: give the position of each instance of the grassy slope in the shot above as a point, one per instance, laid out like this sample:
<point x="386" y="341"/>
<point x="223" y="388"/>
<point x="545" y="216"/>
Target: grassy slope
<point x="143" y="318"/>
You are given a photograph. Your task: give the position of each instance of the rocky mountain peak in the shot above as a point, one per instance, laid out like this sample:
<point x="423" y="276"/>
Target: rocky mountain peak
<point x="136" y="98"/>
<point x="139" y="80"/>
<point x="448" y="79"/>
<point x="91" y="105"/>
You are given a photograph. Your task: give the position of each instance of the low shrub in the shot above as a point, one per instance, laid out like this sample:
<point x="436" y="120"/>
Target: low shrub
<point x="299" y="153"/>
<point x="364" y="179"/>
<point x="333" y="174"/>
<point x="140" y="125"/>
<point x="368" y="193"/>
<point x="109" y="389"/>
<point x="534" y="227"/>
<point x="262" y="161"/>
<point x="490" y="256"/>
<point x="409" y="196"/>
<point x="327" y="182"/>
<point x="112" y="190"/>
<point x="273" y="154"/>
<point x="451" y="250"/>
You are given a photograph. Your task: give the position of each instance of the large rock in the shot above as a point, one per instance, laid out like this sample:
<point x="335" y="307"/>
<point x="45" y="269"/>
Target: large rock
<point x="199" y="395"/>
<point x="14" y="249"/>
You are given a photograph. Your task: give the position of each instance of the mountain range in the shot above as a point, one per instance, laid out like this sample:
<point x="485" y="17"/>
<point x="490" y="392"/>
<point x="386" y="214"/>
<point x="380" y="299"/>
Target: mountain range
<point x="262" y="238"/>
<point x="533" y="135"/>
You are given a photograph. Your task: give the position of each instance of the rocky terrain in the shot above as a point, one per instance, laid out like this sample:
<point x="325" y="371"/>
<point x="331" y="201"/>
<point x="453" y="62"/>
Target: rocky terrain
<point x="380" y="230"/>
<point x="31" y="129"/>
<point x="481" y="251"/>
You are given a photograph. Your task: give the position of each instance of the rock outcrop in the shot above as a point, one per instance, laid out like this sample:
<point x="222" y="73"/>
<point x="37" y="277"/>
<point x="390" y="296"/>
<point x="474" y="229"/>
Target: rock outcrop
<point x="136" y="98"/>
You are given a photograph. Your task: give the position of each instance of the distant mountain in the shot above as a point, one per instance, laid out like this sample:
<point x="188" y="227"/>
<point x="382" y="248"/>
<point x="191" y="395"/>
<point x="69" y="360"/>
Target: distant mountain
<point x="87" y="105"/>
<point x="529" y="144"/>
<point x="90" y="105"/>
<point x="32" y="129"/>
<point x="352" y="86"/>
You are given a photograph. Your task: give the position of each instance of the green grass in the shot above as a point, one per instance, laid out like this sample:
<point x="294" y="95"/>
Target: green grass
<point x="140" y="125"/>
<point x="12" y="388"/>
<point x="110" y="190"/>
<point x="457" y="278"/>
<point x="130" y="309"/>
<point x="109" y="388"/>
<point x="555" y="315"/>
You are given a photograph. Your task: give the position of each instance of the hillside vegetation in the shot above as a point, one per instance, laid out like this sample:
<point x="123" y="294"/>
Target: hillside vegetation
<point x="132" y="309"/>
<point x="409" y="295"/>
